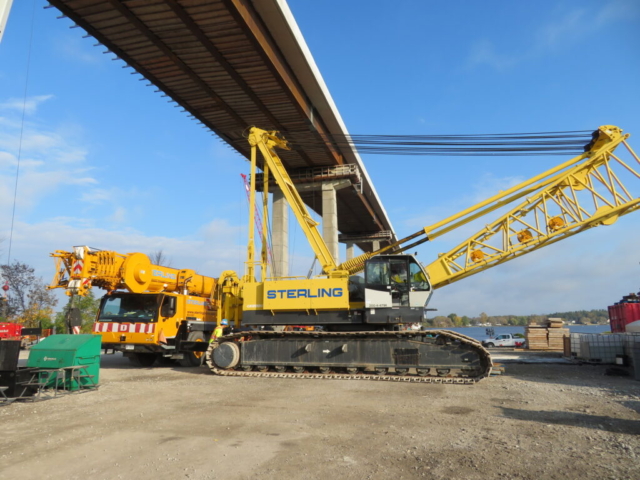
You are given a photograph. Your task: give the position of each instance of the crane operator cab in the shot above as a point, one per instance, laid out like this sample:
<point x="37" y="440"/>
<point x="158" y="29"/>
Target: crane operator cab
<point x="397" y="290"/>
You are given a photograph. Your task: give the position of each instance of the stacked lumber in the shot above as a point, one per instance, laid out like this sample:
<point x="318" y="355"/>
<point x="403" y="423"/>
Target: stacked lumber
<point x="536" y="336"/>
<point x="554" y="323"/>
<point x="549" y="336"/>
<point x="556" y="338"/>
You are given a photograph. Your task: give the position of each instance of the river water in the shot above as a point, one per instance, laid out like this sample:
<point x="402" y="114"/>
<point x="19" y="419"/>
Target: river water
<point x="480" y="333"/>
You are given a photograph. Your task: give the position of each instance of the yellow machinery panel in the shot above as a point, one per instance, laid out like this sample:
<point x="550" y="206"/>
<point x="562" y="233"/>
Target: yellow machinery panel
<point x="252" y="296"/>
<point x="315" y="294"/>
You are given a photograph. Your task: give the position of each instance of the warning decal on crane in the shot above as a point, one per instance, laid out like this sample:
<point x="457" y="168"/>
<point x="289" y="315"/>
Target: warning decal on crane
<point x="77" y="267"/>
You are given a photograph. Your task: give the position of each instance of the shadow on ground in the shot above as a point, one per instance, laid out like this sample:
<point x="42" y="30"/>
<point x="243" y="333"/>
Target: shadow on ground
<point x="571" y="375"/>
<point x="572" y="419"/>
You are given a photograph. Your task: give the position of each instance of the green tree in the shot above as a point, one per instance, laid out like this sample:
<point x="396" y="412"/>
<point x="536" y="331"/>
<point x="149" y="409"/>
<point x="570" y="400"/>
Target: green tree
<point x="456" y="321"/>
<point x="441" y="322"/>
<point x="28" y="300"/>
<point x="88" y="307"/>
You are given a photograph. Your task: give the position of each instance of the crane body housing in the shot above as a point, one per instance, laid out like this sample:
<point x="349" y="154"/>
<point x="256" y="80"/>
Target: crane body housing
<point x="357" y="319"/>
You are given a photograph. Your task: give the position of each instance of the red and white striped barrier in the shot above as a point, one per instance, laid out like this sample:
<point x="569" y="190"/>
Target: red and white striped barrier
<point x="101" y="327"/>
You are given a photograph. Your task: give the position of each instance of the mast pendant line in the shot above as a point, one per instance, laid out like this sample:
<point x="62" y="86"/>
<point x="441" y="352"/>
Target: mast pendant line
<point x="501" y="144"/>
<point x="24" y="110"/>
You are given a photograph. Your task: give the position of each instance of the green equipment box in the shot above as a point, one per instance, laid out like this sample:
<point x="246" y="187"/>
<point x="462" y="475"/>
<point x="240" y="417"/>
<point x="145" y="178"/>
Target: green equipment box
<point x="61" y="356"/>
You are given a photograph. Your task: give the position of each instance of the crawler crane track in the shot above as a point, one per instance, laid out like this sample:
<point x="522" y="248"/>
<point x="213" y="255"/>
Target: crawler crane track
<point x="457" y="345"/>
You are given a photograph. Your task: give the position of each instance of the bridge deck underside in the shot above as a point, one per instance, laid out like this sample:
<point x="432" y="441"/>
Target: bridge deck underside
<point x="219" y="61"/>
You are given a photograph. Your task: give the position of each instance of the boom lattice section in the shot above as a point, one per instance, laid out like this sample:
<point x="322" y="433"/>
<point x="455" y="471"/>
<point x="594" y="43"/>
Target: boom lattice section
<point x="592" y="192"/>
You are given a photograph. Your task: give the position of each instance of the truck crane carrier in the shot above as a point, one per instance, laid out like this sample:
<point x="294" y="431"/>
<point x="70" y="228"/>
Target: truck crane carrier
<point x="149" y="311"/>
<point x="360" y="317"/>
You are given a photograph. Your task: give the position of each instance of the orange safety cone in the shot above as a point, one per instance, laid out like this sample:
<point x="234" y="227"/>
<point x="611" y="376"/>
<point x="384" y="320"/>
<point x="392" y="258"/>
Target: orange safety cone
<point x="162" y="338"/>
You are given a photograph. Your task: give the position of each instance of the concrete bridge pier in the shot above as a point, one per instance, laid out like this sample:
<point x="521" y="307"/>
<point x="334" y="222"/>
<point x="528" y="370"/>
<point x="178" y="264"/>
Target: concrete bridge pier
<point x="280" y="234"/>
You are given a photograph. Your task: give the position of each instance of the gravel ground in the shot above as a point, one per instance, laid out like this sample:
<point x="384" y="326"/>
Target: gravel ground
<point x="534" y="422"/>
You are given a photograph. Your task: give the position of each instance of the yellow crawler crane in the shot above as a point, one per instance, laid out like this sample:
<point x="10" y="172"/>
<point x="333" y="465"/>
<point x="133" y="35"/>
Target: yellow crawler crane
<point x="360" y="317"/>
<point x="149" y="311"/>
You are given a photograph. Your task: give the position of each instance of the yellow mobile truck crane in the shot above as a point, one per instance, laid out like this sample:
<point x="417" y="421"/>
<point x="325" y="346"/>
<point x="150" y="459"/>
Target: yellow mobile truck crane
<point x="360" y="316"/>
<point x="149" y="310"/>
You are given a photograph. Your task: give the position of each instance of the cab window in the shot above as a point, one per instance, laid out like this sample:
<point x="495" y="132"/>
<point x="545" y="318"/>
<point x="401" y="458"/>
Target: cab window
<point x="399" y="271"/>
<point x="377" y="273"/>
<point x="418" y="277"/>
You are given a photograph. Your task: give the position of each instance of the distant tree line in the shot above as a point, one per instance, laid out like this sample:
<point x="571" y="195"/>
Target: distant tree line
<point x="584" y="317"/>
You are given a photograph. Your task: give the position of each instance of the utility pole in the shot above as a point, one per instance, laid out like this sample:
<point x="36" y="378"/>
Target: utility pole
<point x="5" y="7"/>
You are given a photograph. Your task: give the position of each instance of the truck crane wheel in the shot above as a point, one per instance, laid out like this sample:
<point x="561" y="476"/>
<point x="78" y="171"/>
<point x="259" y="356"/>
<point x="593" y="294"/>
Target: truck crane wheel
<point x="193" y="359"/>
<point x="143" y="359"/>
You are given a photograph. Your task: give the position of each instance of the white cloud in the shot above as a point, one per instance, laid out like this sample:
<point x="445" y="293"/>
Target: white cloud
<point x="71" y="155"/>
<point x="483" y="52"/>
<point x="98" y="196"/>
<point x="30" y="105"/>
<point x="119" y="215"/>
<point x="567" y="28"/>
<point x="564" y="30"/>
<point x="7" y="159"/>
<point x="49" y="159"/>
<point x="74" y="48"/>
<point x="487" y="186"/>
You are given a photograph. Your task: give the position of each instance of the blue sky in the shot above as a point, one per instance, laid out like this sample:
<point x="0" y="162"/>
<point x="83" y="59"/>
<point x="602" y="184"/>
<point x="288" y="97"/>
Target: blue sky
<point x="108" y="163"/>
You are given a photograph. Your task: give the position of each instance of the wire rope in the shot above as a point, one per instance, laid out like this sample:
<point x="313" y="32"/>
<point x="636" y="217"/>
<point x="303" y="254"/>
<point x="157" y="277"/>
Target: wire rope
<point x="24" y="110"/>
<point x="505" y="144"/>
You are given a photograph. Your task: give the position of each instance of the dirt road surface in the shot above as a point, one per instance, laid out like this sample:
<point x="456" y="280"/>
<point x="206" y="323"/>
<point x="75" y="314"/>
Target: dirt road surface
<point x="534" y="422"/>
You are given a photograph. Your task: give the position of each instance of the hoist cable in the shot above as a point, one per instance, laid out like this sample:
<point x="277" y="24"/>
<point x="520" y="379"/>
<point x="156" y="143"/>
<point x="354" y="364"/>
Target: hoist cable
<point x="24" y="110"/>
